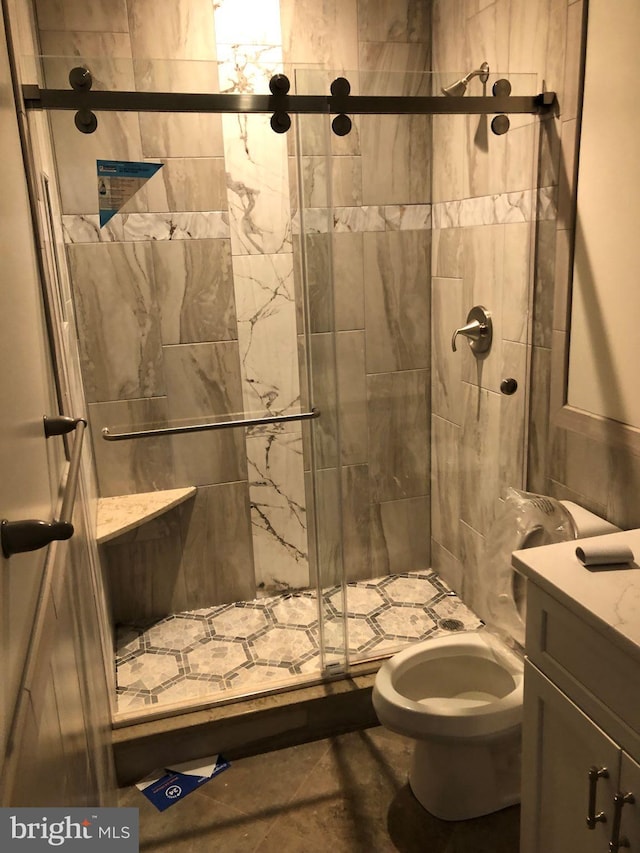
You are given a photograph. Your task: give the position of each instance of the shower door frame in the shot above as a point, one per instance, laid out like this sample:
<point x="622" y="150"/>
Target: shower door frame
<point x="36" y="98"/>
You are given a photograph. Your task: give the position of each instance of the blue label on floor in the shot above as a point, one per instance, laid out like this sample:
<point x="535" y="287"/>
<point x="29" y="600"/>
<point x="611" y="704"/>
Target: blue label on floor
<point x="176" y="783"/>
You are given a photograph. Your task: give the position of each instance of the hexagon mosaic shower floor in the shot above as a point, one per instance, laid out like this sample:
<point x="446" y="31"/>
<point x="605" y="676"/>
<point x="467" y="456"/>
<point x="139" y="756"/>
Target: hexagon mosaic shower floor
<point x="259" y="644"/>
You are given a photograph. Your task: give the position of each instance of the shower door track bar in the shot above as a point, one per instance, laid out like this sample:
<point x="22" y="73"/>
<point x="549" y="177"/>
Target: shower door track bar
<point x="247" y="422"/>
<point x="173" y="102"/>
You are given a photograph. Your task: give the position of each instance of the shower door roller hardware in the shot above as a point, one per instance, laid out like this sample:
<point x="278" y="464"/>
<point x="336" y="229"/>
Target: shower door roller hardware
<point x="280" y="122"/>
<point x="500" y="124"/>
<point x="595" y="773"/>
<point x="341" y="125"/>
<point x="509" y="386"/>
<point x="501" y="88"/>
<point x="478" y="330"/>
<point x="85" y="121"/>
<point x="80" y="78"/>
<point x="279" y="84"/>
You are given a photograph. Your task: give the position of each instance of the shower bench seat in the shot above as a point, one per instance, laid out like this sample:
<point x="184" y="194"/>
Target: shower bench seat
<point x="121" y="513"/>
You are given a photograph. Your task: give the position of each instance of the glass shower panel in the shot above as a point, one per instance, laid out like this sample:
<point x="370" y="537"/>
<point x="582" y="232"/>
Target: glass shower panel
<point x="379" y="247"/>
<point x="486" y="211"/>
<point x="191" y="307"/>
<point x="313" y="247"/>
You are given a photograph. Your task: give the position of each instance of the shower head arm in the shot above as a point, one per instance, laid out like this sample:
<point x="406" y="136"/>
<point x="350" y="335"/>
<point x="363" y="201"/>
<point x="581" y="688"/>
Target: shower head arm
<point x="482" y="73"/>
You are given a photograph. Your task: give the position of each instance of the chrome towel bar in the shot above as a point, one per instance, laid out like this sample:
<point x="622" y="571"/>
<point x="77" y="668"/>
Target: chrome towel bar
<point x="247" y="422"/>
<point x="30" y="534"/>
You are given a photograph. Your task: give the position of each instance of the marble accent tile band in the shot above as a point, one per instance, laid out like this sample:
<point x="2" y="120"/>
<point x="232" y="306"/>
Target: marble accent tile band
<point x="134" y="227"/>
<point x="500" y="209"/>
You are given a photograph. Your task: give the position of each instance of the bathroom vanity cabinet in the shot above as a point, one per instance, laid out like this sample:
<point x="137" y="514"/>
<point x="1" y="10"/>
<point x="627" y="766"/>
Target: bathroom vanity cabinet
<point x="581" y="723"/>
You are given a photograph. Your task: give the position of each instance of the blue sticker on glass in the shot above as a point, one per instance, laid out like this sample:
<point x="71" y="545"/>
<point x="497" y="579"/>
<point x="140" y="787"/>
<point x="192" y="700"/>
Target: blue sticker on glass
<point x="118" y="181"/>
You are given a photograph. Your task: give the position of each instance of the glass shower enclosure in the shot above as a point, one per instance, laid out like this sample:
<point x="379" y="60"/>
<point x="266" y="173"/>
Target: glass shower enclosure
<point x="273" y="400"/>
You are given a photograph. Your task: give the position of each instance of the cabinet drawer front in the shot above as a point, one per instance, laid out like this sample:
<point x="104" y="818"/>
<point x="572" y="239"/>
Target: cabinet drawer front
<point x="570" y="650"/>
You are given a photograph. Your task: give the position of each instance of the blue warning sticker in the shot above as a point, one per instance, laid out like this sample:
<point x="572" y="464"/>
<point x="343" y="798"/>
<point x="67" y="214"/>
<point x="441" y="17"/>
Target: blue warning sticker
<point x="118" y="181"/>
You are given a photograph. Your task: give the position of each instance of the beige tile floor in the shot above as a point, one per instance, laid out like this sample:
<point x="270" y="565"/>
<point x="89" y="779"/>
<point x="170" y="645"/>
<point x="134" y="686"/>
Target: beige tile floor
<point x="344" y="794"/>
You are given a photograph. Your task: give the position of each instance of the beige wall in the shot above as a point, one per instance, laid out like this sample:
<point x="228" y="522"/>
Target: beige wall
<point x="597" y="472"/>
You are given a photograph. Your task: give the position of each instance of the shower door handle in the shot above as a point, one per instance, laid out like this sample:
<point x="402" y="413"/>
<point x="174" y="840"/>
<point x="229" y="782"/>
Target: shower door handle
<point x="478" y="330"/>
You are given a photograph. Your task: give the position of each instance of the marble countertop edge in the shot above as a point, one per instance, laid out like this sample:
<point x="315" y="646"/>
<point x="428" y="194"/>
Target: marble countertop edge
<point x="608" y="598"/>
<point x="122" y="513"/>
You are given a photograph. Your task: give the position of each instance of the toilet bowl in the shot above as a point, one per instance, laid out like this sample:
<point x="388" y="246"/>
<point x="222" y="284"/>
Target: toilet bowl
<point x="459" y="696"/>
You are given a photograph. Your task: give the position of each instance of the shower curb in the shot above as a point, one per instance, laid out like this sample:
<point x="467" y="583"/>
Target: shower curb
<point x="244" y="728"/>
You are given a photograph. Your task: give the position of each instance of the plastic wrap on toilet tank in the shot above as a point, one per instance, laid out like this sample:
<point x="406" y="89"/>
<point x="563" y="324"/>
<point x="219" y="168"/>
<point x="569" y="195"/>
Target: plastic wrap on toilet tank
<point x="525" y="520"/>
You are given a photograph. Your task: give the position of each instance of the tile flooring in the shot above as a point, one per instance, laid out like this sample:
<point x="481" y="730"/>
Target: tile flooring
<point x="344" y="794"/>
<point x="253" y="645"/>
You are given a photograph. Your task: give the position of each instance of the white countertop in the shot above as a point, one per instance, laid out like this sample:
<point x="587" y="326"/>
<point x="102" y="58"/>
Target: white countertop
<point x="607" y="598"/>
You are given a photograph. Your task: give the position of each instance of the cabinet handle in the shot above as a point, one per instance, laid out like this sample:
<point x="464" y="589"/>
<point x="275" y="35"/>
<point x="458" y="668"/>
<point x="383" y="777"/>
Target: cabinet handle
<point x="619" y="800"/>
<point x="595" y="773"/>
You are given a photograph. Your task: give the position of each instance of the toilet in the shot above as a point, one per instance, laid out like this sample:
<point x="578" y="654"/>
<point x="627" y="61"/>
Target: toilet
<point x="460" y="696"/>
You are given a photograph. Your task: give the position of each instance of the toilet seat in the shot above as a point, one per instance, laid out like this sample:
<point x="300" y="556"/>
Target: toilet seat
<point x="488" y="669"/>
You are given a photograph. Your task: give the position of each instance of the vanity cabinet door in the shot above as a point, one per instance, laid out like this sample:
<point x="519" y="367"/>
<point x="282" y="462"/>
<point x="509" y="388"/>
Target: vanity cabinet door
<point x="630" y="810"/>
<point x="560" y="746"/>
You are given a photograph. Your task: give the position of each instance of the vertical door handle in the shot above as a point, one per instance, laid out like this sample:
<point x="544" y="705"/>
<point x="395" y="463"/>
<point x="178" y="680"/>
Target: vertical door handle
<point x="595" y="773"/>
<point x="619" y="800"/>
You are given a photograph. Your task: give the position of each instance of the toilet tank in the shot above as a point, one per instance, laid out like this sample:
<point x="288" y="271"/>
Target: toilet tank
<point x="527" y="520"/>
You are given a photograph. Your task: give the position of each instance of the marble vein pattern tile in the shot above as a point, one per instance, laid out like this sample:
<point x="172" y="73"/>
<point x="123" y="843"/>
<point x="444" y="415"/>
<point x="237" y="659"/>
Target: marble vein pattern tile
<point x="397" y="265"/>
<point x="265" y="306"/>
<point x="117" y="137"/>
<point x="497" y="209"/>
<point x="194" y="284"/>
<point x="178" y="32"/>
<point x="393" y="20"/>
<point x="274" y="640"/>
<point x="203" y="381"/>
<point x="257" y="185"/>
<point x="118" y="320"/>
<point x="398" y="430"/>
<point x="245" y="68"/>
<point x="446" y="478"/>
<point x="402" y="534"/>
<point x="394" y="69"/>
<point x="213" y="224"/>
<point x="127" y="467"/>
<point x="324" y="33"/>
<point x="352" y="395"/>
<point x="396" y="159"/>
<point x="407" y="217"/>
<point x="367" y="218"/>
<point x="188" y="184"/>
<point x="136" y="227"/>
<point x="446" y="370"/>
<point x="217" y="548"/>
<point x="348" y="272"/>
<point x="479" y="457"/>
<point x="107" y="54"/>
<point x="278" y="513"/>
<point x="100" y="16"/>
<point x="85" y="228"/>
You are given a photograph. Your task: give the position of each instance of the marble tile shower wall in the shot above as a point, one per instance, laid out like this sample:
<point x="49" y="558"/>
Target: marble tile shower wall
<point x="494" y="220"/>
<point x="188" y="301"/>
